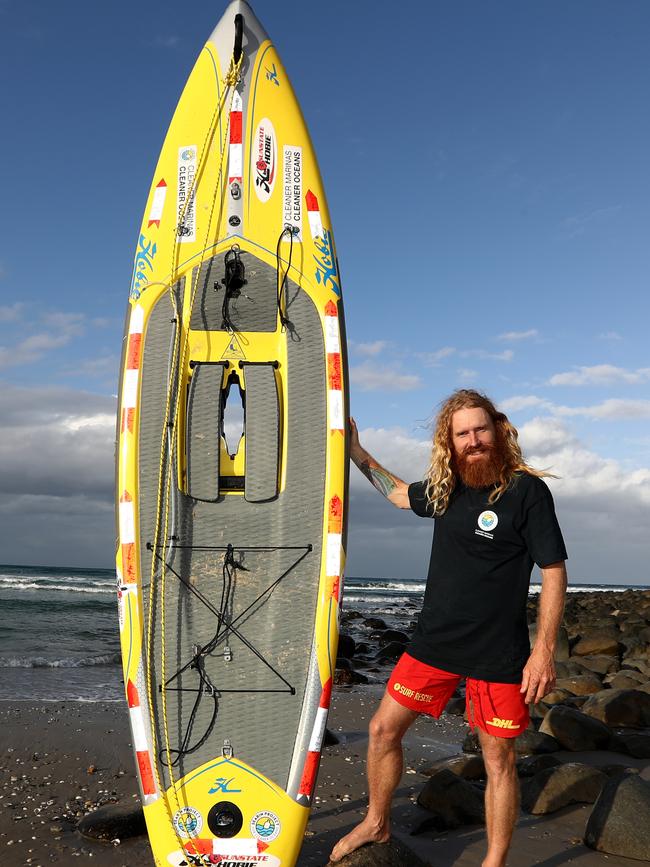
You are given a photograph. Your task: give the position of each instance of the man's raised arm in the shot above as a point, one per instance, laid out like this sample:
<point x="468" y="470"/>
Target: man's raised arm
<point x="394" y="489"/>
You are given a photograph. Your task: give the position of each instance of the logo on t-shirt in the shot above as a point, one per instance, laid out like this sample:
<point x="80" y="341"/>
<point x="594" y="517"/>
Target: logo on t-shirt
<point x="487" y="521"/>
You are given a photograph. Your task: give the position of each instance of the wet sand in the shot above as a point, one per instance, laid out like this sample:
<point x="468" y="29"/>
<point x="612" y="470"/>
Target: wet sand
<point x="59" y="761"/>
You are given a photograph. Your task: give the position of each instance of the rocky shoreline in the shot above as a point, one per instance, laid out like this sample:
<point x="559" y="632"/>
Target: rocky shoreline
<point x="584" y="763"/>
<point x="601" y="702"/>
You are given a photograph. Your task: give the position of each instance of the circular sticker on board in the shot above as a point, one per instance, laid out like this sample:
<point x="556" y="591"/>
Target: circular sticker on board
<point x="265" y="826"/>
<point x="188" y="822"/>
<point x="488" y="520"/>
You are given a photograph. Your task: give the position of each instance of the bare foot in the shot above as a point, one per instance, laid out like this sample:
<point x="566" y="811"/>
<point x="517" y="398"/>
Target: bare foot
<point x="365" y="832"/>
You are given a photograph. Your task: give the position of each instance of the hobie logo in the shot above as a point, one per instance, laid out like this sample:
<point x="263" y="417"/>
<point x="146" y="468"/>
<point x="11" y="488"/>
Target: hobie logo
<point x="501" y="723"/>
<point x="265" y="158"/>
<point x="221" y="784"/>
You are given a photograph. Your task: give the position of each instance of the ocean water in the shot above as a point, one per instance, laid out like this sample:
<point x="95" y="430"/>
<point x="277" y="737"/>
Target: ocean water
<point x="59" y="633"/>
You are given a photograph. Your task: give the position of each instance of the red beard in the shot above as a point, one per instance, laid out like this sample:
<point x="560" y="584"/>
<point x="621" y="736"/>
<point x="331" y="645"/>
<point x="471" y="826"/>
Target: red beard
<point x="481" y="473"/>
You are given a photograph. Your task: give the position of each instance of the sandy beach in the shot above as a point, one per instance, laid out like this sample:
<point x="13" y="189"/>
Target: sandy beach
<point x="59" y="761"/>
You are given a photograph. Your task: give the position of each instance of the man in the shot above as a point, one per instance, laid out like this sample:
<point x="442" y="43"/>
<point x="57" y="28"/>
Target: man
<point x="494" y="518"/>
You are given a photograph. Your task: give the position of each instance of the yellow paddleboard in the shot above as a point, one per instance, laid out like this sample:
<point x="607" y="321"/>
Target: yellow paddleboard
<point x="232" y="466"/>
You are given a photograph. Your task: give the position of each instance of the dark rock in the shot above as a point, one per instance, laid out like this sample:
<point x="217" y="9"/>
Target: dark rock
<point x="470" y="743"/>
<point x="599" y="663"/>
<point x="531" y="765"/>
<point x="620" y="820"/>
<point x="620" y="707"/>
<point x="455" y="706"/>
<point x="113" y="822"/>
<point x="393" y="650"/>
<point x="330" y="740"/>
<point x="394" y="635"/>
<point x="345" y="675"/>
<point x="469" y="767"/>
<point x="581" y="684"/>
<point x="616" y="770"/>
<point x="391" y="854"/>
<point x="554" y="788"/>
<point x="626" y="679"/>
<point x="603" y="639"/>
<point x="574" y="730"/>
<point x="452" y="800"/>
<point x="352" y="615"/>
<point x="375" y="623"/>
<point x="531" y="742"/>
<point x="634" y="743"/>
<point x="347" y="646"/>
<point x="556" y="696"/>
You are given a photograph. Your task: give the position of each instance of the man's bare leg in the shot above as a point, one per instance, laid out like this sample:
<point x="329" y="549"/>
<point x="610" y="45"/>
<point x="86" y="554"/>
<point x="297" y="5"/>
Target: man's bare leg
<point x="501" y="796"/>
<point x="385" y="763"/>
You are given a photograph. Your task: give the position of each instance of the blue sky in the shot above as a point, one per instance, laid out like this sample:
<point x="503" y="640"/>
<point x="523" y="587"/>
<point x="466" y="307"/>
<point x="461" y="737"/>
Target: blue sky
<point x="488" y="177"/>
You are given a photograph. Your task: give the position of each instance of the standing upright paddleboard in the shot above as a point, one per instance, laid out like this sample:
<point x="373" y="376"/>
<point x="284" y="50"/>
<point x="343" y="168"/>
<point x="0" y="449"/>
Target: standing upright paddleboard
<point x="231" y="466"/>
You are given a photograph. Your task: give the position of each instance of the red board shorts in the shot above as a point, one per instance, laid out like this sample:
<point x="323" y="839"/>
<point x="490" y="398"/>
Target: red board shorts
<point x="496" y="708"/>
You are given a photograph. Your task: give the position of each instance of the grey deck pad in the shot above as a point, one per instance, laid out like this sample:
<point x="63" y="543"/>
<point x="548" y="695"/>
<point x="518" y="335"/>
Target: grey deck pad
<point x="262" y="433"/>
<point x="204" y="408"/>
<point x="268" y="539"/>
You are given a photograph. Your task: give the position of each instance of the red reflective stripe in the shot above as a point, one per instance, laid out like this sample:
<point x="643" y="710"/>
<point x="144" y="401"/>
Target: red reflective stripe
<point x="146" y="773"/>
<point x="128" y="563"/>
<point x="235" y="127"/>
<point x="132" y="696"/>
<point x="331" y="309"/>
<point x="336" y="589"/>
<point x="334" y="370"/>
<point x="312" y="201"/>
<point x="326" y="695"/>
<point x="309" y="773"/>
<point x="335" y="520"/>
<point x="128" y="416"/>
<point x="133" y="351"/>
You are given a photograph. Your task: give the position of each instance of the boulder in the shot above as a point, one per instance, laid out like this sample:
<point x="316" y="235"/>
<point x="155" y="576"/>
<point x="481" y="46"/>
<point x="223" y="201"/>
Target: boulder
<point x="633" y="742"/>
<point x="554" y="788"/>
<point x="392" y="651"/>
<point x="531" y="765"/>
<point x="455" y="706"/>
<point x="345" y="675"/>
<point x="113" y="822"/>
<point x="346" y="646"/>
<point x="452" y="800"/>
<point x="620" y="820"/>
<point x="574" y="730"/>
<point x="375" y="623"/>
<point x="601" y="639"/>
<point x="556" y="695"/>
<point x="469" y="767"/>
<point x="599" y="663"/>
<point x="581" y="684"/>
<point x="620" y="707"/>
<point x="391" y="854"/>
<point x="533" y="742"/>
<point x="625" y="679"/>
<point x="393" y="635"/>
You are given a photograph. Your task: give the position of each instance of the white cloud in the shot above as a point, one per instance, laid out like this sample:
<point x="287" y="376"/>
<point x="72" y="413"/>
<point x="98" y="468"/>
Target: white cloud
<point x="369" y="377"/>
<point x="578" y="224"/>
<point x="11" y="312"/>
<point x="369" y="349"/>
<point x="466" y="374"/>
<point x="610" y="335"/>
<point x="33" y="347"/>
<point x="600" y="374"/>
<point x="433" y="359"/>
<point x="614" y="409"/>
<point x="506" y="355"/>
<point x="518" y="335"/>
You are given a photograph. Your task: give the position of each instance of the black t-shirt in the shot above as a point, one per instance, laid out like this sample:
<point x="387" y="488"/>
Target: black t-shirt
<point x="473" y="621"/>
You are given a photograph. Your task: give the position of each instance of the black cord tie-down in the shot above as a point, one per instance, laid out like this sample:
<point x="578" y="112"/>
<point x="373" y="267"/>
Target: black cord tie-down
<point x="225" y="626"/>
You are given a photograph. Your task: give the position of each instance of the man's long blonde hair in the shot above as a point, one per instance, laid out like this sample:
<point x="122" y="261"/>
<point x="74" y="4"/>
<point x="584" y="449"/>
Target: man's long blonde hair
<point x="440" y="479"/>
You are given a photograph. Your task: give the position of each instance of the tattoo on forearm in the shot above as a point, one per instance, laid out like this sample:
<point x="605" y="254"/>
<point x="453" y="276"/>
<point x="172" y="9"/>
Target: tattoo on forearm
<point x="380" y="478"/>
